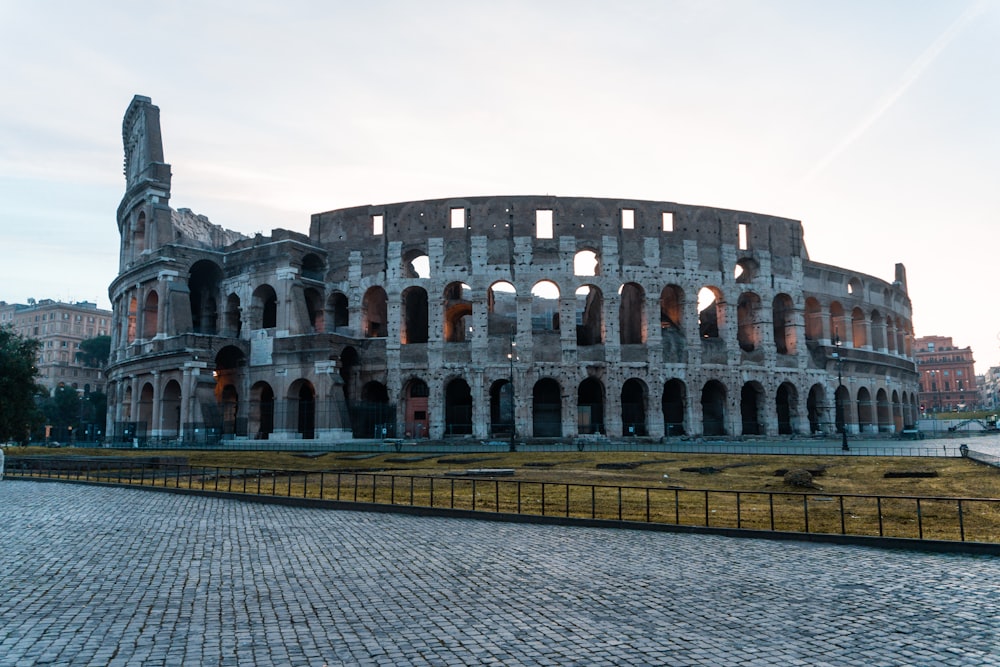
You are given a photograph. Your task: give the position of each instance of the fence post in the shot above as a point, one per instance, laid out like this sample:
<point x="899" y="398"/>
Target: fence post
<point x="843" y="527"/>
<point x="805" y="510"/>
<point x="920" y="522"/>
<point x="878" y="504"/>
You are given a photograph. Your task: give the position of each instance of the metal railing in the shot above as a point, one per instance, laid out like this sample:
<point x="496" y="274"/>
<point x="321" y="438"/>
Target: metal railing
<point x="912" y="517"/>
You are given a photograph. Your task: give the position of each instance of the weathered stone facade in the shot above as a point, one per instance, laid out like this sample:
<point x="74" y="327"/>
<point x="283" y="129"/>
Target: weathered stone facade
<point x="458" y="317"/>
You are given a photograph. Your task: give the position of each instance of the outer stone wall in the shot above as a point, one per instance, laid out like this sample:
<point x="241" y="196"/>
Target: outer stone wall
<point x="549" y="316"/>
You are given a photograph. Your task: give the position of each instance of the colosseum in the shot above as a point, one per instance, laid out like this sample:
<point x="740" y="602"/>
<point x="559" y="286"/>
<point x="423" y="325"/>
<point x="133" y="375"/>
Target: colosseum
<point x="528" y="317"/>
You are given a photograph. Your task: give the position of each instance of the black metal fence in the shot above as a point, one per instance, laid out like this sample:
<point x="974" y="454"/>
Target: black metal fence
<point x="911" y="517"/>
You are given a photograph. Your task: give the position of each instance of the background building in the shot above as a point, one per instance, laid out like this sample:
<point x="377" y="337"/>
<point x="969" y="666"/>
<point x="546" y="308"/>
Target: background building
<point x="947" y="375"/>
<point x="60" y="327"/>
<point x="492" y="317"/>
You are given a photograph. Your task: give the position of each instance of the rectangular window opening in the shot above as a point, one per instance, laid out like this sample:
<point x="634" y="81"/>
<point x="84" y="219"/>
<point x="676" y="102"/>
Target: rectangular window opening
<point x="744" y="236"/>
<point x="378" y="225"/>
<point x="543" y="224"/>
<point x="668" y="221"/>
<point x="458" y="218"/>
<point x="628" y="218"/>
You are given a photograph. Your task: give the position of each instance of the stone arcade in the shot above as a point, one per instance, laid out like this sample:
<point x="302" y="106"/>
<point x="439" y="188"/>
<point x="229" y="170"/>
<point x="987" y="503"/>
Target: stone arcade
<point x="558" y="317"/>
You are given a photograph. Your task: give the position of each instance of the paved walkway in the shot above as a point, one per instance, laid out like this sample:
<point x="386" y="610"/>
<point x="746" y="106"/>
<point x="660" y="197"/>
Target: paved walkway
<point x="98" y="576"/>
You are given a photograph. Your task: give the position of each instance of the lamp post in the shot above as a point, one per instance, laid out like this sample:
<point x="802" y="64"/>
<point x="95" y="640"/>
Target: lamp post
<point x="513" y="410"/>
<point x="840" y="402"/>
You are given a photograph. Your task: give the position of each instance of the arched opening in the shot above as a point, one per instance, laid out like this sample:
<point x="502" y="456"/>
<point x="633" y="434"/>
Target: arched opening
<point x="374" y="313"/>
<point x="878" y="331"/>
<point x="501" y="303"/>
<point x="590" y="407"/>
<point x="261" y="410"/>
<point x="883" y="412"/>
<point x="145" y="420"/>
<point x="674" y="404"/>
<point x="264" y="309"/>
<point x="842" y="397"/>
<point x="340" y="312"/>
<point x="586" y="263"/>
<point x="746" y="270"/>
<point x="501" y="408"/>
<point x="372" y="416"/>
<point x="838" y="324"/>
<point x="546" y="409"/>
<point x="890" y="334"/>
<point x="855" y="287"/>
<point x="314" y="308"/>
<point x="751" y="409"/>
<point x="133" y="309"/>
<point x="349" y="361"/>
<point x="416" y="411"/>
<point x="785" y="405"/>
<point x="859" y="328"/>
<point x="783" y="315"/>
<point x="458" y="408"/>
<point x="170" y="408"/>
<point x="632" y="314"/>
<point x="711" y="312"/>
<point x="814" y="319"/>
<point x="139" y="234"/>
<point x="671" y="324"/>
<point x="748" y="321"/>
<point x="866" y="411"/>
<point x="233" y="320"/>
<point x="457" y="313"/>
<point x="416" y="264"/>
<point x="313" y="267"/>
<point x="634" y="408"/>
<point x="229" y="406"/>
<point x="589" y="316"/>
<point x="898" y="409"/>
<point x="544" y="307"/>
<point x="302" y="396"/>
<point x="150" y="315"/>
<point x="713" y="408"/>
<point x="413" y="329"/>
<point x="203" y="283"/>
<point x="817" y="409"/>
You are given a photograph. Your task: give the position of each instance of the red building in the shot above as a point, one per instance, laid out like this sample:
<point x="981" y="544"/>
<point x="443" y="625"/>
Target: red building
<point x="947" y="375"/>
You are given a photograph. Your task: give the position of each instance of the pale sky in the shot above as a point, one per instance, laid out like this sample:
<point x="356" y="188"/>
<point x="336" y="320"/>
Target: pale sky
<point x="877" y="124"/>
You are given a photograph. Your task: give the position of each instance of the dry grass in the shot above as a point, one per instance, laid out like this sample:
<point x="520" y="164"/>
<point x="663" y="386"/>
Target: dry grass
<point x="656" y="488"/>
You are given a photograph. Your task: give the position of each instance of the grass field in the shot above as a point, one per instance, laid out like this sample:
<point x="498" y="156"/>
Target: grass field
<point x="688" y="489"/>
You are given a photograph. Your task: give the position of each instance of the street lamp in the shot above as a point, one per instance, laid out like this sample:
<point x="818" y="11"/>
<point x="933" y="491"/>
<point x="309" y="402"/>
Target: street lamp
<point x="840" y="403"/>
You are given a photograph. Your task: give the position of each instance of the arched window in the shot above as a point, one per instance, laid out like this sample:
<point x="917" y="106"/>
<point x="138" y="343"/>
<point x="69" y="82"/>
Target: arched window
<point x="590" y="406"/>
<point x="264" y="312"/>
<point x="545" y="307"/>
<point x="457" y="313"/>
<point x="204" y="284"/>
<point x="632" y="314"/>
<point x="814" y="319"/>
<point x="501" y="304"/>
<point x="748" y="321"/>
<point x="783" y="315"/>
<point x="150" y="313"/>
<point x="374" y="314"/>
<point x="589" y="316"/>
<point x="413" y="328"/>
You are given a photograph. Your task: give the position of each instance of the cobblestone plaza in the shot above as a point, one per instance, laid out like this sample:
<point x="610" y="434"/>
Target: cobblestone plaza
<point x="100" y="576"/>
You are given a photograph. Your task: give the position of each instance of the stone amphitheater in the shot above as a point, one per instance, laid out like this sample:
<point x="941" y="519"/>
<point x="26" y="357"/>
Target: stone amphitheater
<point x="535" y="317"/>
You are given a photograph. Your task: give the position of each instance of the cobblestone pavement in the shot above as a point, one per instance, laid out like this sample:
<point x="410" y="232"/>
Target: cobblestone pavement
<point x="99" y="576"/>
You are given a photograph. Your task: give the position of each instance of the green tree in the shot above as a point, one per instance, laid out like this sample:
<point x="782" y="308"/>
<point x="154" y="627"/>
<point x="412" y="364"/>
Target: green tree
<point x="63" y="412"/>
<point x="94" y="352"/>
<point x="18" y="389"/>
